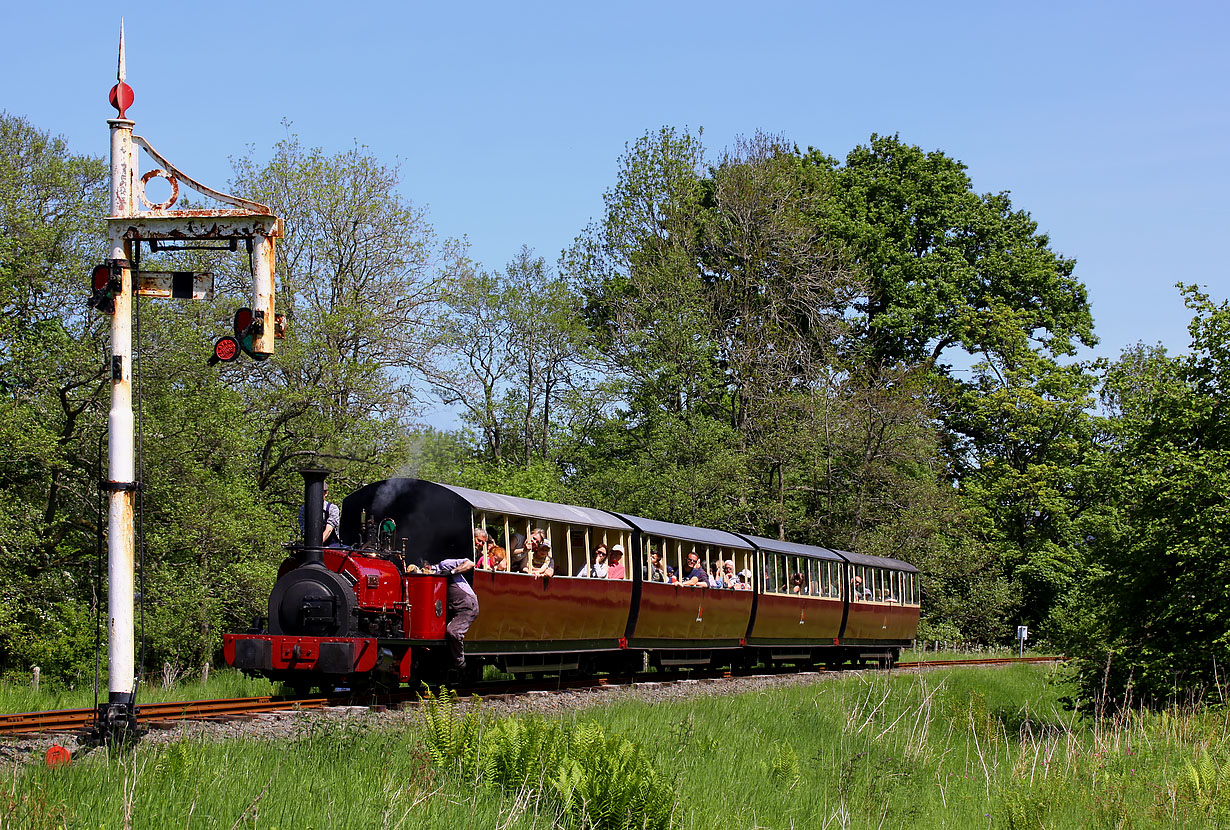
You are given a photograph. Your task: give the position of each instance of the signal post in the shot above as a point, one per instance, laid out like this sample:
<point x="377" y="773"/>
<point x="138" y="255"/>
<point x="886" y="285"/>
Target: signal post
<point x="134" y="220"/>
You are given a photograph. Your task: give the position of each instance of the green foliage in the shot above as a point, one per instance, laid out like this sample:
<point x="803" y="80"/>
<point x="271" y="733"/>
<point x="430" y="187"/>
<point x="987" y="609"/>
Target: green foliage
<point x="872" y="752"/>
<point x="1206" y="781"/>
<point x="591" y="779"/>
<point x="785" y="768"/>
<point x="1161" y="629"/>
<point x="452" y="739"/>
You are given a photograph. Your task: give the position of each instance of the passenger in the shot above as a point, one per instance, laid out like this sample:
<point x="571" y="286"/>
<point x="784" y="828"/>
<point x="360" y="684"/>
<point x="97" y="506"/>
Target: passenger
<point x="462" y="607"/>
<point x="519" y="546"/>
<point x="616" y="569"/>
<point x="693" y="573"/>
<point x="857" y="591"/>
<point x="656" y="572"/>
<point x="332" y="519"/>
<point x="481" y="542"/>
<point x="541" y="563"/>
<point x="796" y="583"/>
<point x="730" y="579"/>
<point x="495" y="559"/>
<point x="671" y="576"/>
<point x="597" y="570"/>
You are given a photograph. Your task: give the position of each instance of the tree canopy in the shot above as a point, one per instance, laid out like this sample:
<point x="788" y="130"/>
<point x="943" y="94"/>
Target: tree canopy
<point x="862" y="353"/>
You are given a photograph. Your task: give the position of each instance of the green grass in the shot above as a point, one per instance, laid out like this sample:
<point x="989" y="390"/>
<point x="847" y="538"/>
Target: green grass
<point x="21" y="697"/>
<point x="947" y="748"/>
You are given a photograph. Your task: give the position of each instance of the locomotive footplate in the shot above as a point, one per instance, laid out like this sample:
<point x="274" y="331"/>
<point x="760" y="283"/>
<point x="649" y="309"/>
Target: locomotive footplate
<point x="327" y="655"/>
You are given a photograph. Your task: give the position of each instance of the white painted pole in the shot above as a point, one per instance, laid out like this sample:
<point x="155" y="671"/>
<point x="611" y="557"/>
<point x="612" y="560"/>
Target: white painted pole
<point x="121" y="469"/>
<point x="262" y="291"/>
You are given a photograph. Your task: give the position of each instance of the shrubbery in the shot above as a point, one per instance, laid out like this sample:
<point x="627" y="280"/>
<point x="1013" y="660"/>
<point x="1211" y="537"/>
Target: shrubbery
<point x="592" y="779"/>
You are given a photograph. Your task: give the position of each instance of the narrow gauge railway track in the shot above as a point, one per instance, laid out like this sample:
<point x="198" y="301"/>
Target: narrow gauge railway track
<point x="73" y="720"/>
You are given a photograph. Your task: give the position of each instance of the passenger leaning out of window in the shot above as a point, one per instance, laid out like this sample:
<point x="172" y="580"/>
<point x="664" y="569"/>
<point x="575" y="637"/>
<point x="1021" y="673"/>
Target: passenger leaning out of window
<point x="495" y="559"/>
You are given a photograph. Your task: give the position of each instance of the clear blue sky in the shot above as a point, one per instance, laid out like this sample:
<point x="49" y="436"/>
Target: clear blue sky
<point x="1107" y="122"/>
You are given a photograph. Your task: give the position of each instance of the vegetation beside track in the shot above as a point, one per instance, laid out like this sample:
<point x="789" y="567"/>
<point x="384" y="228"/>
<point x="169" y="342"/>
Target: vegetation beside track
<point x="944" y="748"/>
<point x="223" y="683"/>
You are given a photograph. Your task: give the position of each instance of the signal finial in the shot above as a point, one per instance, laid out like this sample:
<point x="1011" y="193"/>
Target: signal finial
<point x="121" y="96"/>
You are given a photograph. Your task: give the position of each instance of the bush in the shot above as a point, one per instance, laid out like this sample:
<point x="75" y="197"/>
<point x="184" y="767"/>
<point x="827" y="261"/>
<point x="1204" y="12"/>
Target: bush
<point x="591" y="779"/>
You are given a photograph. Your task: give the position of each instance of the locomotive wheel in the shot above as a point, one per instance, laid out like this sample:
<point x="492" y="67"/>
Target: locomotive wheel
<point x="311" y="601"/>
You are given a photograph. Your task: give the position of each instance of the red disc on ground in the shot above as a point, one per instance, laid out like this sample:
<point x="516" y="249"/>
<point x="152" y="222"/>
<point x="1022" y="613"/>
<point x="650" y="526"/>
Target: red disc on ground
<point x="226" y="349"/>
<point x="121" y="97"/>
<point x="58" y="756"/>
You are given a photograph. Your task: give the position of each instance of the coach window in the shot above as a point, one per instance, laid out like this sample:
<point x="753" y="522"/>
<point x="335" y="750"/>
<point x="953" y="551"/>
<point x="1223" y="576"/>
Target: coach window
<point x="496" y="525"/>
<point x="578" y="550"/>
<point x="743" y="568"/>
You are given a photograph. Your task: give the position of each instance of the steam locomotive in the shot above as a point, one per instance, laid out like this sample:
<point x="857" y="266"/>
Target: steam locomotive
<point x="366" y="610"/>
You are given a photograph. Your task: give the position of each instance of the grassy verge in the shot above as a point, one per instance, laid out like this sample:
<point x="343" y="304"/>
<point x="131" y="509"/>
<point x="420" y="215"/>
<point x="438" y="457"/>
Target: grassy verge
<point x="949" y="748"/>
<point x="21" y="697"/>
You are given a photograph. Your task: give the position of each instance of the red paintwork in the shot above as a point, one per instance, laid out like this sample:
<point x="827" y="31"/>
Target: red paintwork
<point x="881" y="621"/>
<point x="424" y="595"/>
<point x="377" y="582"/>
<point x="778" y="618"/>
<point x="679" y="612"/>
<point x="285" y="657"/>
<point x="518" y="608"/>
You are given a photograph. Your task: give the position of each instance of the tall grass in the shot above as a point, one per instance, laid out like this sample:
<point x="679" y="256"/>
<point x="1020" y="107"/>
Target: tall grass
<point x="20" y="696"/>
<point x="951" y="748"/>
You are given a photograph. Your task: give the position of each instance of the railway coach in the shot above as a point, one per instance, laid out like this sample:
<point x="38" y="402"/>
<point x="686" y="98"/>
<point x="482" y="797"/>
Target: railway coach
<point x="368" y="611"/>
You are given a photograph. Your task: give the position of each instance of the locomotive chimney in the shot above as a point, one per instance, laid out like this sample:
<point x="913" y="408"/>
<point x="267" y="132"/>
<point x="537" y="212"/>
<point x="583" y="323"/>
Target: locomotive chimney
<point x="313" y="515"/>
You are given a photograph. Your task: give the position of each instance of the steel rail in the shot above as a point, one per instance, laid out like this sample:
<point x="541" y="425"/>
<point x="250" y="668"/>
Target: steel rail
<point x="67" y="720"/>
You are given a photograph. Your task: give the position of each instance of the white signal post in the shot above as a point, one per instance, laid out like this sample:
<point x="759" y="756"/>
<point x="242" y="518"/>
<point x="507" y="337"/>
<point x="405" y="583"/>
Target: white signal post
<point x="128" y="225"/>
<point x="121" y="469"/>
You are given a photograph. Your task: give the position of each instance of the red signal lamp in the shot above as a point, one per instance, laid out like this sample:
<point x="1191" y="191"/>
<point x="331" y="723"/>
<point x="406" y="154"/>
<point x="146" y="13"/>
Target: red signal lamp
<point x="225" y="350"/>
<point x="105" y="280"/>
<point x="101" y="277"/>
